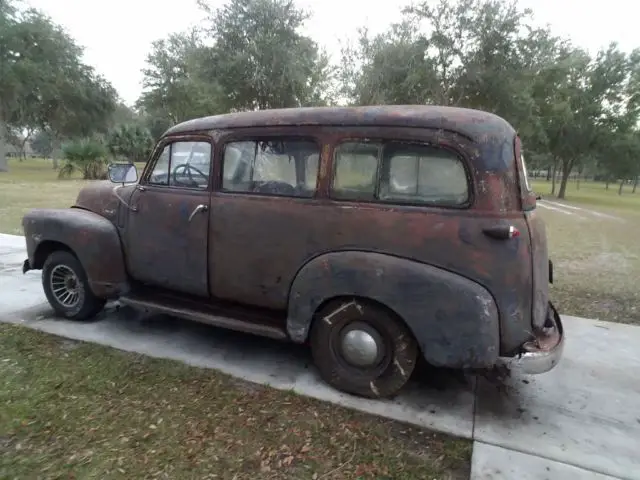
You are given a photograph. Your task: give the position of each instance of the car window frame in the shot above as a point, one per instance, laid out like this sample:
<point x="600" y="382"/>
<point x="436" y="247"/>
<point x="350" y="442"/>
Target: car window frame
<point x="168" y="141"/>
<point x="383" y="141"/>
<point x="257" y="137"/>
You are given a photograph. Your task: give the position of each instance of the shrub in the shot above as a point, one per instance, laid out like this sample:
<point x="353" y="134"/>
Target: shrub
<point x="87" y="156"/>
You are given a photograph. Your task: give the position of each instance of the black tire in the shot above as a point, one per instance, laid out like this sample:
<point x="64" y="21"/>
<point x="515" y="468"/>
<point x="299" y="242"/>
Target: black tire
<point x="395" y="361"/>
<point x="87" y="305"/>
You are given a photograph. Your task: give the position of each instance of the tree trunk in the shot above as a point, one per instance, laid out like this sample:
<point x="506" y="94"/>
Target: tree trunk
<point x="578" y="182"/>
<point x="567" y="165"/>
<point x="553" y="176"/>
<point x="549" y="173"/>
<point x="621" y="185"/>
<point x="606" y="184"/>
<point x="4" y="163"/>
<point x="55" y="150"/>
<point x="635" y="184"/>
<point x="23" y="147"/>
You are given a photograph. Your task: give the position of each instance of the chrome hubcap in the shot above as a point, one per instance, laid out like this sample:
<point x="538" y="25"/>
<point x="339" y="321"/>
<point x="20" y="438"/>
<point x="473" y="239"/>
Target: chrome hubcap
<point x="65" y="286"/>
<point x="360" y="348"/>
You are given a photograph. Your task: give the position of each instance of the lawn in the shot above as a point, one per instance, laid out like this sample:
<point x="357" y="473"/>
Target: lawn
<point x="593" y="241"/>
<point x="75" y="410"/>
<point x="33" y="183"/>
<point x="595" y="194"/>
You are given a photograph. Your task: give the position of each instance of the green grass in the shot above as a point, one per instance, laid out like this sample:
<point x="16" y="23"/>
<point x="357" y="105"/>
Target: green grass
<point x="596" y="258"/>
<point x="75" y="410"/>
<point x="595" y="194"/>
<point x="33" y="183"/>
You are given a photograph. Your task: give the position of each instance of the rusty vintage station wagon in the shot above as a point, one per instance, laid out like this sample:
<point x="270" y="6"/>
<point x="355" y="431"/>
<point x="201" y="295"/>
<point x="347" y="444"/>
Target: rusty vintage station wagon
<point x="376" y="234"/>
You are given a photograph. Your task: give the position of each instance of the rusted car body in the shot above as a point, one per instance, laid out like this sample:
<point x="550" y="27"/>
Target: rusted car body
<point x="455" y="257"/>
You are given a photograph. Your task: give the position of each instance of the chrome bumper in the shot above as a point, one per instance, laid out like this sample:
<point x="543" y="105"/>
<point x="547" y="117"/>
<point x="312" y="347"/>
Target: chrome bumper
<point x="542" y="353"/>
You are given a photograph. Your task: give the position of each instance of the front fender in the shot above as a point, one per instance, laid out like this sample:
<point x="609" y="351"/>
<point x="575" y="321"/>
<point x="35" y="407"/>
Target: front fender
<point x="92" y="238"/>
<point x="454" y="320"/>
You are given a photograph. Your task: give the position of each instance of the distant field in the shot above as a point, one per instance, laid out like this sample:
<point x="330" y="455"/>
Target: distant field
<point x="594" y="241"/>
<point x="594" y="194"/>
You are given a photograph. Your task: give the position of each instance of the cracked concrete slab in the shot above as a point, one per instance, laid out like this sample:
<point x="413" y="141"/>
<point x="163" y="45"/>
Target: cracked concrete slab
<point x="490" y="462"/>
<point x="584" y="412"/>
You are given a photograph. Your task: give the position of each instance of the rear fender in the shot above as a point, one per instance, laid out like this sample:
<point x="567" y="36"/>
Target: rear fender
<point x="454" y="320"/>
<point x="92" y="238"/>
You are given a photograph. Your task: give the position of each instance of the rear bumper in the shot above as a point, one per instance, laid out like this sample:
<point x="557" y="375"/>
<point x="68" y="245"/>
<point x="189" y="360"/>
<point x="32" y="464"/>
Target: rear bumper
<point x="543" y="352"/>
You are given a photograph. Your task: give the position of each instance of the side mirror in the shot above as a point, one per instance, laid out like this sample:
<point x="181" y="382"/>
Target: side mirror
<point x="123" y="173"/>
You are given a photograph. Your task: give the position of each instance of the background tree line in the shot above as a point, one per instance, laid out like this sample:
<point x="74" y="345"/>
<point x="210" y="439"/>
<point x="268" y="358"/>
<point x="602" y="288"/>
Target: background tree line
<point x="575" y="112"/>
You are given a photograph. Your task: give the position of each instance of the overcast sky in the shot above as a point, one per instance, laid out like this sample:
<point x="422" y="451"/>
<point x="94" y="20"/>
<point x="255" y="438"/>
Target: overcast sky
<point x="117" y="34"/>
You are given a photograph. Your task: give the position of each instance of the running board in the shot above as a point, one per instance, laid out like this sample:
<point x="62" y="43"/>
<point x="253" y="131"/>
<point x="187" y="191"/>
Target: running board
<point x="201" y="315"/>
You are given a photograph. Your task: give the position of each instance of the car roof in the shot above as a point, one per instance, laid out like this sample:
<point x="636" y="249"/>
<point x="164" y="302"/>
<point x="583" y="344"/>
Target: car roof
<point x="477" y="125"/>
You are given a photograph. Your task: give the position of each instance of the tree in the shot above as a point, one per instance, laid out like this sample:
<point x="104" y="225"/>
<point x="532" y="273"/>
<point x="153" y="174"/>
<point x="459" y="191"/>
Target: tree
<point x="487" y="54"/>
<point x="130" y="142"/>
<point x="588" y="107"/>
<point x="19" y="139"/>
<point x="42" y="143"/>
<point x="174" y="85"/>
<point x="251" y="56"/>
<point x="261" y="60"/>
<point x="474" y="53"/>
<point x="44" y="84"/>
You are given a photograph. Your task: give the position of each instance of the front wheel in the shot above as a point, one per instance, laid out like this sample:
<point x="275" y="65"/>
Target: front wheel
<point x="67" y="288"/>
<point x="362" y="348"/>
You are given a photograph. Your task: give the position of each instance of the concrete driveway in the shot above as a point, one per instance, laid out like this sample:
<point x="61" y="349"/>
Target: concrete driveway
<point x="580" y="421"/>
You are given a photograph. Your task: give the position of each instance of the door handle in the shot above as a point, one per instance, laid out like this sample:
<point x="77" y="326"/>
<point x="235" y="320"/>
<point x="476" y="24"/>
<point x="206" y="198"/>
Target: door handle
<point x="198" y="209"/>
<point x="501" y="232"/>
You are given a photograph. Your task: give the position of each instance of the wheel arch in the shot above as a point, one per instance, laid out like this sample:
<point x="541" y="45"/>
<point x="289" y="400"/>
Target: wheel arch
<point x="454" y="320"/>
<point x="46" y="248"/>
<point x="91" y="238"/>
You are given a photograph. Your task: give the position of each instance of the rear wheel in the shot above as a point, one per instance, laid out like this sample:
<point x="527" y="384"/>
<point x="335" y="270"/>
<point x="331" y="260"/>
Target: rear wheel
<point x="362" y="348"/>
<point x="67" y="288"/>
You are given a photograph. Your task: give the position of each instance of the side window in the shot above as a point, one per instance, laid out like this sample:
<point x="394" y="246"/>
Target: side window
<point x="160" y="173"/>
<point x="422" y="174"/>
<point x="355" y="170"/>
<point x="190" y="162"/>
<point x="399" y="172"/>
<point x="285" y="167"/>
<point x="183" y="164"/>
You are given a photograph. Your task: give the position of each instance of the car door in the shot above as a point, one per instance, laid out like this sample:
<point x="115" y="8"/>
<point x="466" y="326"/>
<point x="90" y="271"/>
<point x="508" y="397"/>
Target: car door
<point x="262" y="215"/>
<point x="167" y="230"/>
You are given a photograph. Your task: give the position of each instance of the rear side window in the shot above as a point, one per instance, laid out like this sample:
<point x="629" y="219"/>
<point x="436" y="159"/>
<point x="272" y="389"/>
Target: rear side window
<point x="356" y="170"/>
<point x="284" y="167"/>
<point x="399" y="172"/>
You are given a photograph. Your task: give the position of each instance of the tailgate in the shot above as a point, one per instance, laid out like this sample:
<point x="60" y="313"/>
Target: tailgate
<point x="538" y="238"/>
<point x="539" y="267"/>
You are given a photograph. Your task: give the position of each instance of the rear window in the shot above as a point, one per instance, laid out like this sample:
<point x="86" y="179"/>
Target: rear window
<point x="399" y="172"/>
